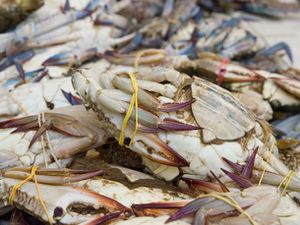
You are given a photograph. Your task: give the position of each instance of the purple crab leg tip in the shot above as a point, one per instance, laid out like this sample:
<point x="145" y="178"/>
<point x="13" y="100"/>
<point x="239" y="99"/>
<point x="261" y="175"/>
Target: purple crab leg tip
<point x="234" y="165"/>
<point x="277" y="47"/>
<point x="243" y="182"/>
<point x="248" y="168"/>
<point x="170" y="107"/>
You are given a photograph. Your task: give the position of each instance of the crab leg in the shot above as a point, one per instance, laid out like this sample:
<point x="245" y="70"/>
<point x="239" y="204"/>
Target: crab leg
<point x="71" y="58"/>
<point x="57" y="178"/>
<point x="145" y="98"/>
<point x="276" y="48"/>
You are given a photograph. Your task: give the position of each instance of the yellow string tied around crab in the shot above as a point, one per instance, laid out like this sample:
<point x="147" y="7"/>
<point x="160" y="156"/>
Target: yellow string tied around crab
<point x="133" y="103"/>
<point x="230" y="201"/>
<point x="268" y="160"/>
<point x="287" y="179"/>
<point x="33" y="177"/>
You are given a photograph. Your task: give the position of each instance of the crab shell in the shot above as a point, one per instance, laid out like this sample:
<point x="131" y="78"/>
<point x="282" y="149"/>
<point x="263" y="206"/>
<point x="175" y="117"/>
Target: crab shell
<point x="226" y="128"/>
<point x="71" y="201"/>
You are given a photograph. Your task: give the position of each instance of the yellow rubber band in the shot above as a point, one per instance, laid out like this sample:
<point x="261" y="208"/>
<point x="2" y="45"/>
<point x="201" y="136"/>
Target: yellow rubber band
<point x="32" y="176"/>
<point x="268" y="160"/>
<point x="283" y="180"/>
<point x="133" y="103"/>
<point x="230" y="201"/>
<point x="291" y="174"/>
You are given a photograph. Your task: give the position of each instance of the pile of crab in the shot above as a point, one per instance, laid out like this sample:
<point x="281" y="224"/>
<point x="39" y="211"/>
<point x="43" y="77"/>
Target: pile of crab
<point x="148" y="112"/>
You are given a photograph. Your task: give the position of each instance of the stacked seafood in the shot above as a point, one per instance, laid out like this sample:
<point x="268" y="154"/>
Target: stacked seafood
<point x="148" y="112"/>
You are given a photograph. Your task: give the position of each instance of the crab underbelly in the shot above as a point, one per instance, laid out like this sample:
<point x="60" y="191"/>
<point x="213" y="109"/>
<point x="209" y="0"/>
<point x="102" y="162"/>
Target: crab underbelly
<point x="204" y="158"/>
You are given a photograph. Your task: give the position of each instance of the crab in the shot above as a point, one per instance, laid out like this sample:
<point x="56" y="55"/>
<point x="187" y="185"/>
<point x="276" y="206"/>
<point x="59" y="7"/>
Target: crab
<point x="50" y="137"/>
<point x="254" y="205"/>
<point x="185" y="124"/>
<point x="85" y="197"/>
<point x="282" y="92"/>
<point x="73" y="39"/>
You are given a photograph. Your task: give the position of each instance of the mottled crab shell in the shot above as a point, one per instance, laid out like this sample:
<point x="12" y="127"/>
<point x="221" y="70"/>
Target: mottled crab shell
<point x="218" y="112"/>
<point x="223" y="127"/>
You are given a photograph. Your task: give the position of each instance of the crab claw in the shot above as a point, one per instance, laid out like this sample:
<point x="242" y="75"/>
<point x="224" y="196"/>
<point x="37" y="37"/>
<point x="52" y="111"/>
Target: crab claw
<point x="71" y="98"/>
<point x="66" y="204"/>
<point x="52" y="176"/>
<point x="276" y="48"/>
<point x="71" y="58"/>
<point x="153" y="148"/>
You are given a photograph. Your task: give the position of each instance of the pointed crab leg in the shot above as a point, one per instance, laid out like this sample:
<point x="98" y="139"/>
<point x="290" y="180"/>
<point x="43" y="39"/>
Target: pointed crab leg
<point x="146" y="98"/>
<point x="72" y="58"/>
<point x="57" y="179"/>
<point x="118" y="101"/>
<point x="153" y="148"/>
<point x="276" y="48"/>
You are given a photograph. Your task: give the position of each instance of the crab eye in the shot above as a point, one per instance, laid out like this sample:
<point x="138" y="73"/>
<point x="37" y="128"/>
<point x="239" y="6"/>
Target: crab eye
<point x="58" y="212"/>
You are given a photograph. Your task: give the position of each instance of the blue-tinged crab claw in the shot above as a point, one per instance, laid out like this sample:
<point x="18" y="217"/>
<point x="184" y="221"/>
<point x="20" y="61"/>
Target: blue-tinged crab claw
<point x="276" y="48"/>
<point x="71" y="98"/>
<point x="71" y="58"/>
